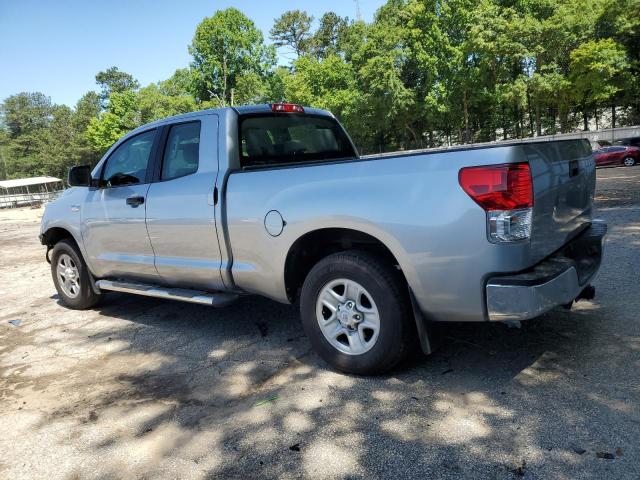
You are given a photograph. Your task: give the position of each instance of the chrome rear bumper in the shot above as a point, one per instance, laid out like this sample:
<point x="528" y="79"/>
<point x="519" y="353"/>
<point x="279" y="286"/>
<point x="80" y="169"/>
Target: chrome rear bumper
<point x="555" y="281"/>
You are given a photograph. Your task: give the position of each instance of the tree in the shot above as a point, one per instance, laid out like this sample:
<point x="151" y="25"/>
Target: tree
<point x="153" y="104"/>
<point x="178" y="84"/>
<point x="113" y="80"/>
<point x="57" y="145"/>
<point x="292" y="29"/>
<point x="26" y="113"/>
<point x="4" y="144"/>
<point x="225" y="46"/>
<point x="327" y="39"/>
<point x="88" y="107"/>
<point x="423" y="73"/>
<point x="598" y="71"/>
<point x="121" y="116"/>
<point x="250" y="89"/>
<point x="617" y="22"/>
<point x="328" y="83"/>
<point x="26" y="117"/>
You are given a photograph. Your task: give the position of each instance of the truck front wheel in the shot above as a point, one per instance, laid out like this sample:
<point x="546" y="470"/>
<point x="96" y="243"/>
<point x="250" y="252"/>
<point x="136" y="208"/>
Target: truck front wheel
<point x="71" y="276"/>
<point x="356" y="312"/>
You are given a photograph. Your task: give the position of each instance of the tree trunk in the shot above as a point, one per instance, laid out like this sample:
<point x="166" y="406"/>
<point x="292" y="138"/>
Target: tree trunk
<point x="596" y="113"/>
<point x="564" y="119"/>
<point x="585" y="119"/>
<point x="530" y="112"/>
<point x="504" y="124"/>
<point x="467" y="134"/>
<point x="224" y="79"/>
<point x="415" y="137"/>
<point x="538" y="121"/>
<point x="613" y="115"/>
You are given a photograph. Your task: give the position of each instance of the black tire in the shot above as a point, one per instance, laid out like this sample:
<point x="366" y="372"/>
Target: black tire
<point x="86" y="297"/>
<point x="397" y="336"/>
<point x="631" y="163"/>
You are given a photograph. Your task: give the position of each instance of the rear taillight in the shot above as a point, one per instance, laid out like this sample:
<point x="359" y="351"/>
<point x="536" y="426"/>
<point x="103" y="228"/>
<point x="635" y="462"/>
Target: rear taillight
<point x="499" y="187"/>
<point x="286" y="108"/>
<point x="505" y="192"/>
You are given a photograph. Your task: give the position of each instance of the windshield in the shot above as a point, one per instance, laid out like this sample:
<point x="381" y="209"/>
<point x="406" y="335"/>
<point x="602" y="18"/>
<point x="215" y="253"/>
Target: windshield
<point x="275" y="139"/>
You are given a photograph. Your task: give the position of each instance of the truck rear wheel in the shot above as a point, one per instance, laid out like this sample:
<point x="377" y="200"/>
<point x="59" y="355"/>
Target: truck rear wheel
<point x="71" y="276"/>
<point x="355" y="311"/>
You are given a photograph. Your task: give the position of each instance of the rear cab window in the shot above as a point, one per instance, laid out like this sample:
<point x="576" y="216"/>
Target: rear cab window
<point x="273" y="139"/>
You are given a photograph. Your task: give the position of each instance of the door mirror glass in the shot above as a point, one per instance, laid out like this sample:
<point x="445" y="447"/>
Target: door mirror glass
<point x="79" y="176"/>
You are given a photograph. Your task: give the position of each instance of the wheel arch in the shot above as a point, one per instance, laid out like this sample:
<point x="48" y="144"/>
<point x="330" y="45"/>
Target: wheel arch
<point x="314" y="245"/>
<point x="54" y="234"/>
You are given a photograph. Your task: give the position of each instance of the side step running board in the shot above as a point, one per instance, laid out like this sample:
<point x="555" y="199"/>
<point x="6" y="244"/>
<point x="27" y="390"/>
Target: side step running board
<point x="219" y="299"/>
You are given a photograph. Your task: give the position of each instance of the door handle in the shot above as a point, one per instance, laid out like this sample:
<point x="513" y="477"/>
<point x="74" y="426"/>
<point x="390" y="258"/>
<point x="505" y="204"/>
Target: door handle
<point x="574" y="168"/>
<point x="135" y="200"/>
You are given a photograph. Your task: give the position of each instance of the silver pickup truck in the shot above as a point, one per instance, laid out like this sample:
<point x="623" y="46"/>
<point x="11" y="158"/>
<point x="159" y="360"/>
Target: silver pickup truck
<point x="274" y="200"/>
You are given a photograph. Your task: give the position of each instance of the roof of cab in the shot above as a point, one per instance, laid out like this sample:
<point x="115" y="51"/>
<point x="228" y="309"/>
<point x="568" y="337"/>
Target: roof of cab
<point x="240" y="110"/>
<point x="266" y="108"/>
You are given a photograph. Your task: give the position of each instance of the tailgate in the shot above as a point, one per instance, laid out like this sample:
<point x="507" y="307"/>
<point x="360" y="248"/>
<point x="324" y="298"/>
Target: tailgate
<point x="564" y="180"/>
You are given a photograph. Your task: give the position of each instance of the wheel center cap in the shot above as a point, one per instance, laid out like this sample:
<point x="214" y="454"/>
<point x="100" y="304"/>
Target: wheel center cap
<point x="69" y="273"/>
<point x="348" y="316"/>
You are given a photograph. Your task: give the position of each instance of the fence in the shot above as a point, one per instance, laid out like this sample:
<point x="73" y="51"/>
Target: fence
<point x="27" y="199"/>
<point x="606" y="134"/>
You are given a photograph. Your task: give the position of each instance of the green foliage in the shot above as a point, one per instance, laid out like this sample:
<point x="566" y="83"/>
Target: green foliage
<point x="598" y="71"/>
<point x="329" y="84"/>
<point x="292" y="29"/>
<point x="153" y="103"/>
<point x="39" y="138"/>
<point x="121" y="115"/>
<point x="26" y="114"/>
<point x="329" y="36"/>
<point x="224" y="47"/>
<point x="423" y="73"/>
<point x="113" y="80"/>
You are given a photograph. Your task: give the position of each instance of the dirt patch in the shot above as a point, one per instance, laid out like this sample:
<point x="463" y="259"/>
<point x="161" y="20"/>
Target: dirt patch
<point x="145" y="388"/>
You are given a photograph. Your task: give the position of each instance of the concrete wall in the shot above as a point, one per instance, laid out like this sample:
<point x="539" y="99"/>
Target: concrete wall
<point x="608" y="134"/>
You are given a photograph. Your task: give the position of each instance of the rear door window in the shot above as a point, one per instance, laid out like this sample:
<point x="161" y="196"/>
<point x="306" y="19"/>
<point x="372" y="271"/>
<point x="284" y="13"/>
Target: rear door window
<point x="181" y="151"/>
<point x="277" y="139"/>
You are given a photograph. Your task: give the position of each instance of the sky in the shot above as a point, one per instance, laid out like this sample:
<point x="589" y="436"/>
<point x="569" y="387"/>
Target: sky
<point x="57" y="46"/>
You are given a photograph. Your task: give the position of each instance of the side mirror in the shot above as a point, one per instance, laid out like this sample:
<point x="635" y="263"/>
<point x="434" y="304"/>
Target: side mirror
<point x="79" y="176"/>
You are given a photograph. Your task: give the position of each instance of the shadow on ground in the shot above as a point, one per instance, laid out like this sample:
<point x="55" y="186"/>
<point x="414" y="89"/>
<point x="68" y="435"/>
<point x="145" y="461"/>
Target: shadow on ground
<point x="144" y="388"/>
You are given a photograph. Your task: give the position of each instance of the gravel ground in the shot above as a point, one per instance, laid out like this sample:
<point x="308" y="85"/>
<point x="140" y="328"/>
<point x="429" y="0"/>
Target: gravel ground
<point x="145" y="388"/>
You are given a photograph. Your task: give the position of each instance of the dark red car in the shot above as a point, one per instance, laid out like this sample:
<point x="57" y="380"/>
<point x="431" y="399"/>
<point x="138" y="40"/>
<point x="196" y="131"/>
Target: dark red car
<point x="617" y="155"/>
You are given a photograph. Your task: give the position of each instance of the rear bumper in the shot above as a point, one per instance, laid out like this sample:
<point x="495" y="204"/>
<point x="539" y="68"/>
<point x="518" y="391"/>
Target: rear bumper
<point x="555" y="281"/>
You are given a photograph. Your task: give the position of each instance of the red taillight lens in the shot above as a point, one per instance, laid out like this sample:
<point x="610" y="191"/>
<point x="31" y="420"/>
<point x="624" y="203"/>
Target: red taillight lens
<point x="499" y="187"/>
<point x="286" y="108"/>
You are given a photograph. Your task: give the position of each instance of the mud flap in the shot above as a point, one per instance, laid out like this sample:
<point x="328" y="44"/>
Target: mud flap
<point x="92" y="282"/>
<point x="423" y="325"/>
